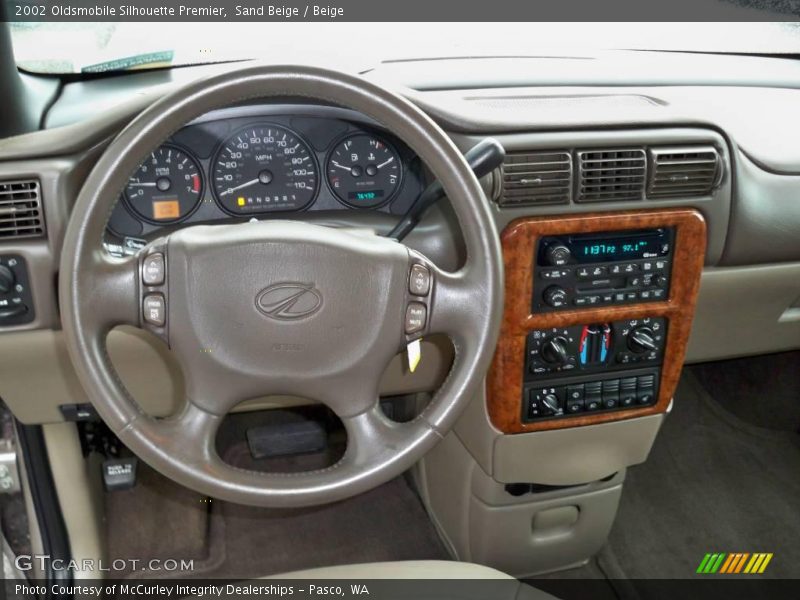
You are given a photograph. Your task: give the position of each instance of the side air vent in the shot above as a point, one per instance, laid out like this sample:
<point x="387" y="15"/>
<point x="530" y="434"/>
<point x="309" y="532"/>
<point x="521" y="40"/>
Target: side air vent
<point x="536" y="178"/>
<point x="20" y="210"/>
<point x="611" y="175"/>
<point x="683" y="171"/>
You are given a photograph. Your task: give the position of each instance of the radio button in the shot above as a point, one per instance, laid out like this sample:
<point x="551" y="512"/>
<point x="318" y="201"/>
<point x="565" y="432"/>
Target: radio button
<point x="582" y="273"/>
<point x="658" y="294"/>
<point x="419" y="281"/>
<point x="607" y="298"/>
<point x="661" y="264"/>
<point x="630" y="296"/>
<point x="634" y="281"/>
<point x="599" y="271"/>
<point x="554" y="274"/>
<point x="647" y="266"/>
<point x="593" y="299"/>
<point x="630" y="267"/>
<point x="558" y="254"/>
<point x="580" y="301"/>
<point x="616" y="269"/>
<point x="555" y="296"/>
<point x="619" y="297"/>
<point x="644" y="294"/>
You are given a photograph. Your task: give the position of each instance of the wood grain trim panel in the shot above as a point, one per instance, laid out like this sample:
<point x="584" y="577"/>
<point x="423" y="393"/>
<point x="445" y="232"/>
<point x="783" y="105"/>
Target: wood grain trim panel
<point x="519" y="242"/>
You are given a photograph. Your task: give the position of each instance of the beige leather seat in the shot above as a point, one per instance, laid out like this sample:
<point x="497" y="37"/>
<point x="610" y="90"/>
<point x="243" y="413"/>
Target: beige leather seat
<point x="499" y="587"/>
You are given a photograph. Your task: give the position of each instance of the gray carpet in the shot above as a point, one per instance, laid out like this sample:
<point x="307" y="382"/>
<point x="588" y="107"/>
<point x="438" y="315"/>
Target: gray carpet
<point x="231" y="541"/>
<point x="761" y="390"/>
<point x="712" y="483"/>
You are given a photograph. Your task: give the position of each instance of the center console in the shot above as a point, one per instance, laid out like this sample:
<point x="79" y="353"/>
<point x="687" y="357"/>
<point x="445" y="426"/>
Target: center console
<point x="597" y="317"/>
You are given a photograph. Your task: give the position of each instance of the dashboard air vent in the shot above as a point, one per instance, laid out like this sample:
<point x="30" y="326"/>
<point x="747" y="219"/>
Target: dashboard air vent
<point x="20" y="210"/>
<point x="611" y="175"/>
<point x="536" y="178"/>
<point x="683" y="171"/>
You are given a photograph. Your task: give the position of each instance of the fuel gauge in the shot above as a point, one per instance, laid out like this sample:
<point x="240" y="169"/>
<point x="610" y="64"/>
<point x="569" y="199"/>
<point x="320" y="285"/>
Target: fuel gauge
<point x="364" y="171"/>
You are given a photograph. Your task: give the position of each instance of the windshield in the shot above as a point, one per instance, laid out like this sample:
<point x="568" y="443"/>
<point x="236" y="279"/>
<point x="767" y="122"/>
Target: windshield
<point x="97" y="47"/>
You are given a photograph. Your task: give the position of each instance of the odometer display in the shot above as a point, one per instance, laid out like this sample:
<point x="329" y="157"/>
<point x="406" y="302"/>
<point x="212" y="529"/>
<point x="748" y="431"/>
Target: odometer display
<point x="166" y="187"/>
<point x="364" y="171"/>
<point x="265" y="168"/>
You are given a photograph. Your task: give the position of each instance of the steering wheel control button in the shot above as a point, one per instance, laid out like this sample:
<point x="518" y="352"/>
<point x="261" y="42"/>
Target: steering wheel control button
<point x="419" y="283"/>
<point x="154" y="309"/>
<point x="416" y="317"/>
<point x="153" y="269"/>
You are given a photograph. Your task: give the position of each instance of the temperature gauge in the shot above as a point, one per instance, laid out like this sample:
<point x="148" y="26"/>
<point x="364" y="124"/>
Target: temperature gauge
<point x="364" y="171"/>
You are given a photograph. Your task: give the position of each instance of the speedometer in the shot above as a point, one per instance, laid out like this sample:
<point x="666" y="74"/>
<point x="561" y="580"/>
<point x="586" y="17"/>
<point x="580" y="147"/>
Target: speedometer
<point x="265" y="168"/>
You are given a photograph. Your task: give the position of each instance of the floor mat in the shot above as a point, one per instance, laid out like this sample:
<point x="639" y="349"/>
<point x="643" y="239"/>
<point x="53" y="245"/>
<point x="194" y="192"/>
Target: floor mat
<point x="387" y="523"/>
<point x="712" y="483"/>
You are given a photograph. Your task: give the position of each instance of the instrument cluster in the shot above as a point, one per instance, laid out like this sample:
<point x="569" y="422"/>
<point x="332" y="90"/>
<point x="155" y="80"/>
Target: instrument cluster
<point x="265" y="162"/>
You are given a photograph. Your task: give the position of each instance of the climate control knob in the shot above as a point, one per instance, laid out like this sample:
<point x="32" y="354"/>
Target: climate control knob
<point x="642" y="339"/>
<point x="7" y="279"/>
<point x="557" y="255"/>
<point x="555" y="296"/>
<point x="554" y="351"/>
<point x="550" y="402"/>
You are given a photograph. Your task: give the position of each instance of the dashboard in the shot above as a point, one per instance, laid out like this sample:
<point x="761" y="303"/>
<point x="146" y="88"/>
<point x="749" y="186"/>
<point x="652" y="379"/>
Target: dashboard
<point x="260" y="162"/>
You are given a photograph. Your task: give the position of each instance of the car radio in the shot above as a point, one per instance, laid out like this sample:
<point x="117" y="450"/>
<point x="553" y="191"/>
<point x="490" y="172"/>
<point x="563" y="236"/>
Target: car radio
<point x="618" y="267"/>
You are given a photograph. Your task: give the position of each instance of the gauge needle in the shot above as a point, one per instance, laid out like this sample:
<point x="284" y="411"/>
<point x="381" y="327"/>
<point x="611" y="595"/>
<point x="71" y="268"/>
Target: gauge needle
<point x="335" y="164"/>
<point x="142" y="184"/>
<point x="383" y="164"/>
<point x="238" y="187"/>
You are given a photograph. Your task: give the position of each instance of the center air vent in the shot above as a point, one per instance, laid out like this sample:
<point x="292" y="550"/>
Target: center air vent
<point x="536" y="178"/>
<point x="20" y="210"/>
<point x="683" y="171"/>
<point x="611" y="175"/>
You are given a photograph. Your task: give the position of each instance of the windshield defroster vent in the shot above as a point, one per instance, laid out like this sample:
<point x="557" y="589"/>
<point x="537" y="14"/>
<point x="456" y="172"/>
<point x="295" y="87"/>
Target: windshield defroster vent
<point x="20" y="210"/>
<point x="683" y="171"/>
<point x="611" y="175"/>
<point x="531" y="178"/>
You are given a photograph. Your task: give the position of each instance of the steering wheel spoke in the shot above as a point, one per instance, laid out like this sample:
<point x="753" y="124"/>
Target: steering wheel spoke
<point x="113" y="296"/>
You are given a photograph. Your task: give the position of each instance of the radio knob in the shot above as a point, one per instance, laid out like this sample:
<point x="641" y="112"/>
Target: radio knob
<point x="554" y="351"/>
<point x="555" y="296"/>
<point x="7" y="280"/>
<point x="557" y="255"/>
<point x="642" y="339"/>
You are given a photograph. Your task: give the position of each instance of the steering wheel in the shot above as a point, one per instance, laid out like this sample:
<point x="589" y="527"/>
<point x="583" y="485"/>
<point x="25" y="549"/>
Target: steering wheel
<point x="279" y="307"/>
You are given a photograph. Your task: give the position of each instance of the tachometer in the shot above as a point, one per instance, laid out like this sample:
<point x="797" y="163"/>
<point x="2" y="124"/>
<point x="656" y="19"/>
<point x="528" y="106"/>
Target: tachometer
<point x="166" y="187"/>
<point x="264" y="169"/>
<point x="364" y="171"/>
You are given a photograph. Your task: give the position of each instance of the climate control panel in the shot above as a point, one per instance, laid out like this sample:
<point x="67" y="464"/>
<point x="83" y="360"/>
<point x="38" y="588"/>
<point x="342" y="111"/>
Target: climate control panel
<point x="590" y="394"/>
<point x="595" y="347"/>
<point x="592" y="367"/>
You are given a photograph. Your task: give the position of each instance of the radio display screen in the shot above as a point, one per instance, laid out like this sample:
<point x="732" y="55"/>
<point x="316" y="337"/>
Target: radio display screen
<point x="591" y="250"/>
<point x="612" y="246"/>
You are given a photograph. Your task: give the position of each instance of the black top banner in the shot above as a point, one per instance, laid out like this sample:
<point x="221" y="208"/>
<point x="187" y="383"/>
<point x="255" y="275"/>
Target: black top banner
<point x="401" y="10"/>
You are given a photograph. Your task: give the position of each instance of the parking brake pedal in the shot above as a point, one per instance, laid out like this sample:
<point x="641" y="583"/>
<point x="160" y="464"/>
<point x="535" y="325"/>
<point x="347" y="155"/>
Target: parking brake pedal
<point x="119" y="473"/>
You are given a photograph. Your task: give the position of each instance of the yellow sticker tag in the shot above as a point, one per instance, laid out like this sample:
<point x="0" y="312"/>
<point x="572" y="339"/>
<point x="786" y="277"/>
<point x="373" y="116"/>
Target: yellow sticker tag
<point x="414" y="351"/>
